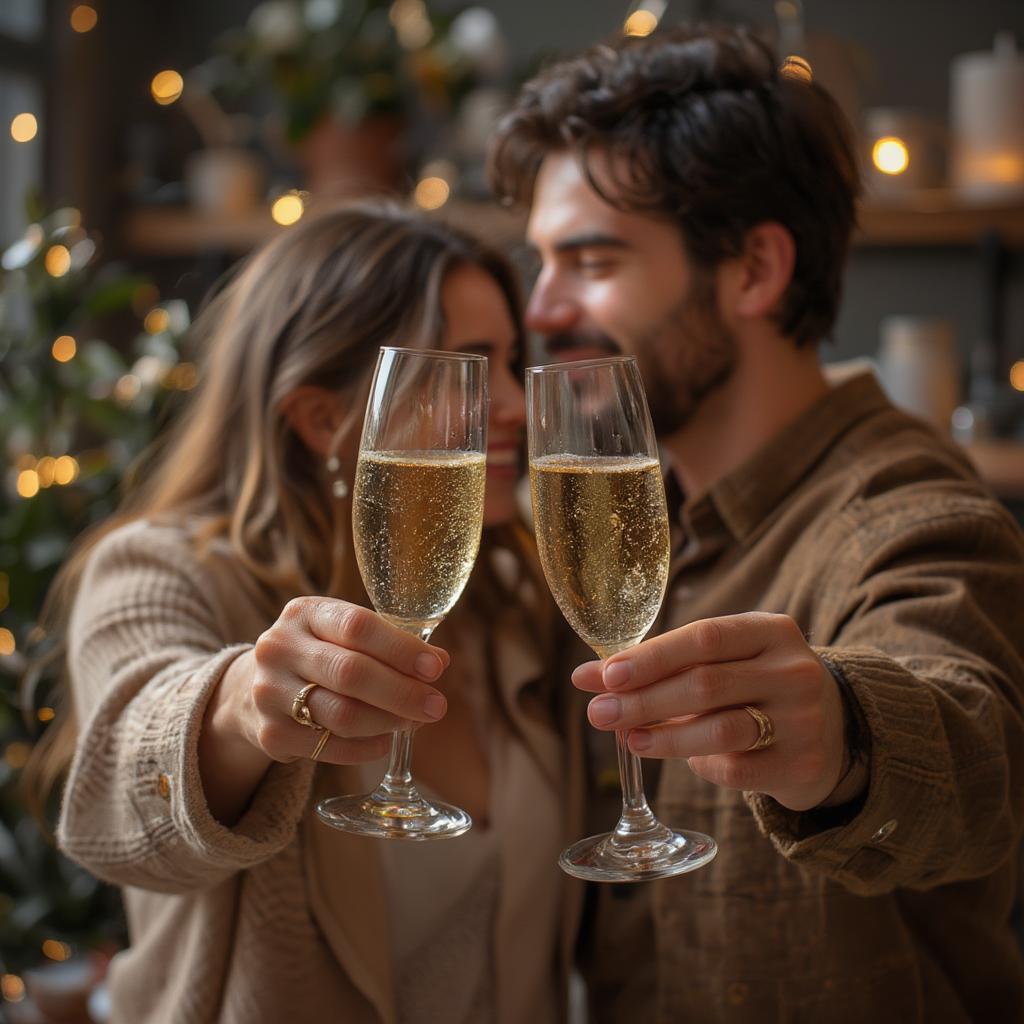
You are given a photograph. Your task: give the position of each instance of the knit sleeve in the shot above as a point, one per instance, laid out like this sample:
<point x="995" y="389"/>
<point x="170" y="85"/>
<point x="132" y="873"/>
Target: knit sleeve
<point x="931" y="647"/>
<point x="146" y="649"/>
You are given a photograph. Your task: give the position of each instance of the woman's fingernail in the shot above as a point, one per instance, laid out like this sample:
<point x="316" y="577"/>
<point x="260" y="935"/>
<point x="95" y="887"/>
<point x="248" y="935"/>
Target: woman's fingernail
<point x="639" y="741"/>
<point x="434" y="706"/>
<point x="428" y="666"/>
<point x="618" y="673"/>
<point x="604" y="710"/>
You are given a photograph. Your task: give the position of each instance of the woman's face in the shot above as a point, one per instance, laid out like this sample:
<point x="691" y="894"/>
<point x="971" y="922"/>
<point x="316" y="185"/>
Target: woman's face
<point x="477" y="320"/>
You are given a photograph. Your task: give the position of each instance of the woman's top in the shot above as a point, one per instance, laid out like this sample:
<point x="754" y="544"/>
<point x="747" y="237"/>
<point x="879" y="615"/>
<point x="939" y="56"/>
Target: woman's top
<point x="279" y="918"/>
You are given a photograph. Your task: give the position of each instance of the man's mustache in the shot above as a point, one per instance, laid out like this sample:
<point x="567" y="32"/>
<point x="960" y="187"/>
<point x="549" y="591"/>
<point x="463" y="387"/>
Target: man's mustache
<point x="568" y="343"/>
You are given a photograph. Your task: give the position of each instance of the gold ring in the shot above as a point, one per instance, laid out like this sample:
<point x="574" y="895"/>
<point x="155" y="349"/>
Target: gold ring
<point x="320" y="743"/>
<point x="300" y="712"/>
<point x="765" y="728"/>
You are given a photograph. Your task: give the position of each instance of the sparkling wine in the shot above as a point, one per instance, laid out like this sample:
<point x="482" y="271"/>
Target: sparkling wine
<point x="602" y="530"/>
<point x="417" y="518"/>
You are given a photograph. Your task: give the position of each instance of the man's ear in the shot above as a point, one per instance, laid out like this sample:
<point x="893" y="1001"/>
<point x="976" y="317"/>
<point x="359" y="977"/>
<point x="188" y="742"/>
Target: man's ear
<point x="316" y="415"/>
<point x="763" y="270"/>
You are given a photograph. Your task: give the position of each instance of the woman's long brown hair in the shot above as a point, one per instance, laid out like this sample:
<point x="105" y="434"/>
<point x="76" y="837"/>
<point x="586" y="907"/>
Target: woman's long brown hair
<point x="311" y="307"/>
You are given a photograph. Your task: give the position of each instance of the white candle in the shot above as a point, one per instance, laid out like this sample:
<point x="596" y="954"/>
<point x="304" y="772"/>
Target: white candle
<point x="987" y="101"/>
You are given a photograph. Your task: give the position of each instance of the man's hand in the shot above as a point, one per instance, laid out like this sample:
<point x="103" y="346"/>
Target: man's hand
<point x="683" y="694"/>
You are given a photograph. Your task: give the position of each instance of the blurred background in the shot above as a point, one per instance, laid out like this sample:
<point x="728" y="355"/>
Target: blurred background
<point x="145" y="147"/>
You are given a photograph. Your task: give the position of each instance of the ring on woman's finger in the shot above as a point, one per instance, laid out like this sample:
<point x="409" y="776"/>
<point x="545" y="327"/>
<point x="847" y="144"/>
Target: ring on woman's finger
<point x="765" y="728"/>
<point x="325" y="735"/>
<point x="300" y="710"/>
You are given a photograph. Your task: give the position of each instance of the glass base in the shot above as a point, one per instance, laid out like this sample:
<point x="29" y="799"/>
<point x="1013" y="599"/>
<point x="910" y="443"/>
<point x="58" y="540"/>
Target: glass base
<point x="384" y="817"/>
<point x="613" y="858"/>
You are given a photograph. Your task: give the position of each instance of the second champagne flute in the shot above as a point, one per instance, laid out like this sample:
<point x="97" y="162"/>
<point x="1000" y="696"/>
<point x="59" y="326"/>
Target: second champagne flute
<point x="417" y="515"/>
<point x="602" y="529"/>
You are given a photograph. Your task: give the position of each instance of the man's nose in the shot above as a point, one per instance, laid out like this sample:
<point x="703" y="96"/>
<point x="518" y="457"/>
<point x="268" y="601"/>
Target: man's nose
<point x="549" y="313"/>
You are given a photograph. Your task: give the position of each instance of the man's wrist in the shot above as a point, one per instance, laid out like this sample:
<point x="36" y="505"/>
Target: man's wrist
<point x="855" y="773"/>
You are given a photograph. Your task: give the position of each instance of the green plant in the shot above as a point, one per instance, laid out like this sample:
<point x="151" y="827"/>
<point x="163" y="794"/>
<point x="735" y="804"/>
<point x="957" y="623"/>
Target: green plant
<point x="75" y="411"/>
<point x="352" y="59"/>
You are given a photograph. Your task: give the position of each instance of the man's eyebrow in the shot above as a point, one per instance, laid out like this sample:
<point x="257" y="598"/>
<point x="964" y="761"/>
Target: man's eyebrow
<point x="593" y="239"/>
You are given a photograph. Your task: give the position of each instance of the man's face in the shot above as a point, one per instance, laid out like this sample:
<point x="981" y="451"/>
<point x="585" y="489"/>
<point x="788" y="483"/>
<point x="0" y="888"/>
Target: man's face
<point x="613" y="281"/>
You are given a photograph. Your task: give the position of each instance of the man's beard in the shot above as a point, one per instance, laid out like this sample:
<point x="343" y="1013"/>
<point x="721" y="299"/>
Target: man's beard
<point x="686" y="356"/>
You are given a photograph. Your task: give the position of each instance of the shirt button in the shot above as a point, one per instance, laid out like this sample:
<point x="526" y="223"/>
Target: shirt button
<point x="885" y="831"/>
<point x="164" y="786"/>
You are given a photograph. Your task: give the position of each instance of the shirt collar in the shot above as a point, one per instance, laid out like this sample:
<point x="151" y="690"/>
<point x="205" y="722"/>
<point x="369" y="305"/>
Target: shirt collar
<point x="747" y="495"/>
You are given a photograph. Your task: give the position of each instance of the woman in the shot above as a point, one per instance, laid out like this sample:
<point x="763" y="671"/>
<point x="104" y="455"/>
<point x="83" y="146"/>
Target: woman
<point x="192" y="631"/>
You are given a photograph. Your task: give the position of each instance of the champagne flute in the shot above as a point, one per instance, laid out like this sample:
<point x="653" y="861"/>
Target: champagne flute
<point x="602" y="529"/>
<point x="417" y="514"/>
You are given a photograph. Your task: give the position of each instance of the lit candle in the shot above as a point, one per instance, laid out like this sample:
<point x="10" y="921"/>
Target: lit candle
<point x="987" y="99"/>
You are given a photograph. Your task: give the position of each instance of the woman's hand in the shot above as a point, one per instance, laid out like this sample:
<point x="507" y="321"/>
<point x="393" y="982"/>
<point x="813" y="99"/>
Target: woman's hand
<point x="371" y="679"/>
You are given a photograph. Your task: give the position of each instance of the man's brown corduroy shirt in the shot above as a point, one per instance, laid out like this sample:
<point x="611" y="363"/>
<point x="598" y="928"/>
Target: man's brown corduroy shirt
<point x="874" y="534"/>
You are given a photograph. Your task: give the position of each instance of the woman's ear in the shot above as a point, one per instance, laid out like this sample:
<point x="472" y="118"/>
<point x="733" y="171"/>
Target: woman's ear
<point x="316" y="415"/>
<point x="765" y="270"/>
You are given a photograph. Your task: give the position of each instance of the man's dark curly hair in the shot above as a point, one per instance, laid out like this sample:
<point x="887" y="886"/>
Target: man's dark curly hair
<point x="703" y="128"/>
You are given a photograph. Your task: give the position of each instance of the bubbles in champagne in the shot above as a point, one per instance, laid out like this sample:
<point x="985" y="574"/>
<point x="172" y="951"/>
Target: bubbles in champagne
<point x="602" y="530"/>
<point x="417" y="518"/>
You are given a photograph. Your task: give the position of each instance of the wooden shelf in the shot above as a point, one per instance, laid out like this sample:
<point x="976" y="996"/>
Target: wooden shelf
<point x="927" y="219"/>
<point x="176" y="231"/>
<point x="179" y="231"/>
<point x="936" y="218"/>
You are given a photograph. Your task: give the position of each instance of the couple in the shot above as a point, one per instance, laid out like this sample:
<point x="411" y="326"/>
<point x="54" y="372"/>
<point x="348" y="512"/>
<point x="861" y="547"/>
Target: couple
<point x="836" y="566"/>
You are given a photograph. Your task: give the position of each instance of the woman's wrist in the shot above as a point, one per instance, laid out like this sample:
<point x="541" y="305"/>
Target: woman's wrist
<point x="231" y="766"/>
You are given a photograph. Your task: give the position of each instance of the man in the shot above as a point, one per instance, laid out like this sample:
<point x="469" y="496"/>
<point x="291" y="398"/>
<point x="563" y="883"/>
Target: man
<point x="837" y="684"/>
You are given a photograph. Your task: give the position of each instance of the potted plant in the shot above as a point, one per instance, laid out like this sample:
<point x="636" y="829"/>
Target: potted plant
<point x="346" y="82"/>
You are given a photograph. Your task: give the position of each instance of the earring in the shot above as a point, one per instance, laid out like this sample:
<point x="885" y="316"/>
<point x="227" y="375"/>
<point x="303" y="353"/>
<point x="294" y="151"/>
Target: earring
<point x="339" y="488"/>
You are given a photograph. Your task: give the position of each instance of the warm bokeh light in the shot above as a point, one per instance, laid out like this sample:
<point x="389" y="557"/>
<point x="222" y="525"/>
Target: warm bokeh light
<point x="890" y="155"/>
<point x="7" y="644"/>
<point x="166" y="87"/>
<point x="127" y="388"/>
<point x="57" y="260"/>
<point x="795" y="66"/>
<point x="412" y="26"/>
<point x="24" y="127"/>
<point x="64" y="348"/>
<point x="1017" y="375"/>
<point x="13" y="988"/>
<point x="287" y="209"/>
<point x="56" y="950"/>
<point x="432" y="193"/>
<point x="1005" y="168"/>
<point x="157" y="320"/>
<point x="46" y="714"/>
<point x="65" y="470"/>
<point x="28" y="483"/>
<point x="46" y="470"/>
<point x="640" y="23"/>
<point x="83" y="18"/>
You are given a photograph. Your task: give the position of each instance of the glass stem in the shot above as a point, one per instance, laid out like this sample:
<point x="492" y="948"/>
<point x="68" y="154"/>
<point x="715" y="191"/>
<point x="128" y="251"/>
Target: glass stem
<point x="637" y="819"/>
<point x="397" y="782"/>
